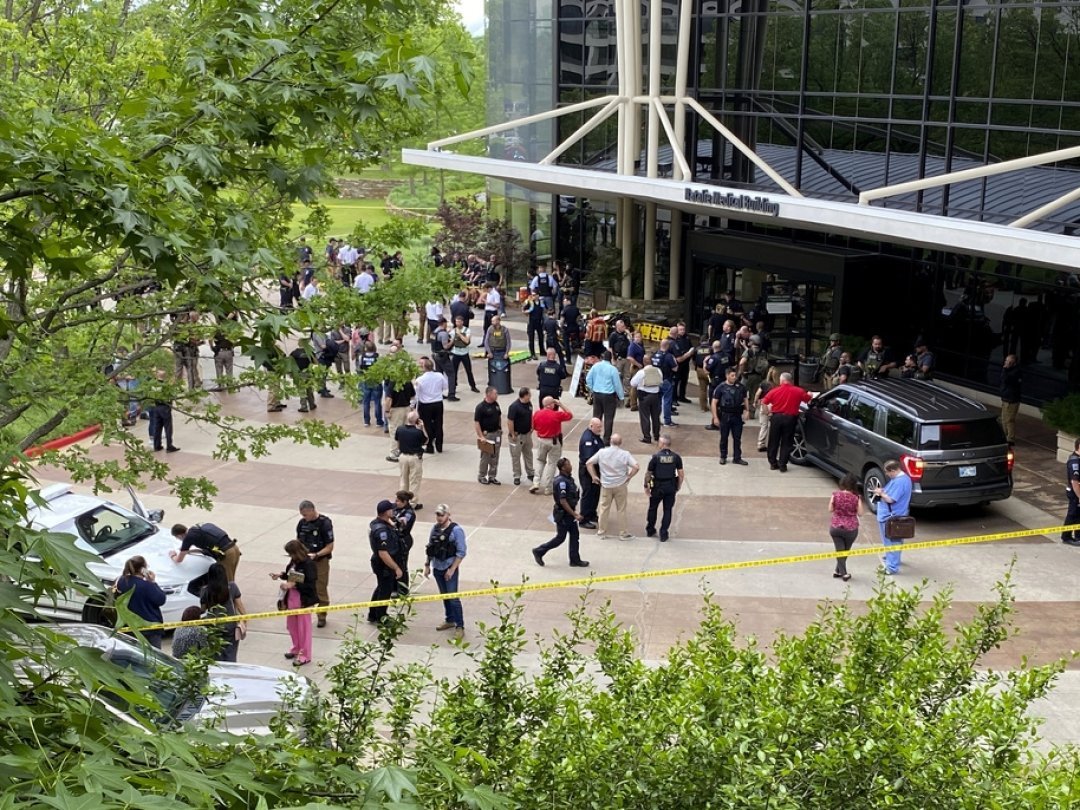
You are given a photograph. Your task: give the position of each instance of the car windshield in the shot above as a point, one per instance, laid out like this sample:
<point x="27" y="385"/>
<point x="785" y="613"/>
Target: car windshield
<point x="961" y="435"/>
<point x="108" y="531"/>
<point x="162" y="672"/>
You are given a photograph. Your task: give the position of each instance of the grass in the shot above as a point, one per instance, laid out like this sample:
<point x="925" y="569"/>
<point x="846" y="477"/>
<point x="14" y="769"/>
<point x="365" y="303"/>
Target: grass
<point x="344" y="215"/>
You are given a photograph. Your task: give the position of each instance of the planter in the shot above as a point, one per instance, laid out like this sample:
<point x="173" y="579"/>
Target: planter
<point x="1065" y="444"/>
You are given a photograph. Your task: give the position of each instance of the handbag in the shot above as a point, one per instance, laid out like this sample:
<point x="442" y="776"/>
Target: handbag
<point x="900" y="527"/>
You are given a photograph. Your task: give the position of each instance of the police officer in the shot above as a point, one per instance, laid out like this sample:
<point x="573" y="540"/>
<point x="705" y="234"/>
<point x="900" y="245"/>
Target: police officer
<point x="663" y="479"/>
<point x="1072" y="490"/>
<point x="385" y="552"/>
<point x="875" y="360"/>
<point x="830" y="360"/>
<point x="210" y="540"/>
<point x="565" y="493"/>
<point x="730" y="406"/>
<point x="549" y="375"/>
<point x="591" y="443"/>
<point x="714" y="367"/>
<point x="753" y="367"/>
<point x="405" y="516"/>
<point x="316" y="532"/>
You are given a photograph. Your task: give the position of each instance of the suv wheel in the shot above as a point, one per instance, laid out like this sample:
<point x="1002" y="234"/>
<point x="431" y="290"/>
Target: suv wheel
<point x="872" y="479"/>
<point x="799" y="454"/>
<point x="96" y="611"/>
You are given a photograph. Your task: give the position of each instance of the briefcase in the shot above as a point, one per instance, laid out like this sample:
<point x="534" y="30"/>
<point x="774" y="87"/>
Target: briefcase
<point x="900" y="528"/>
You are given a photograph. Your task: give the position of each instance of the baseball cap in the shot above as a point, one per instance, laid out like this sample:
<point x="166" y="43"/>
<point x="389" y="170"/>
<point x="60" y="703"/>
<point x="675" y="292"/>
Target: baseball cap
<point x="834" y="336"/>
<point x="442" y="509"/>
<point x="384" y="506"/>
<point x="755" y="339"/>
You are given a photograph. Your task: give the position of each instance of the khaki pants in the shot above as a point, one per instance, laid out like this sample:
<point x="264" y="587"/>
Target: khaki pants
<point x="763" y="428"/>
<point x="322" y="582"/>
<point x="1008" y="420"/>
<point x="229" y="560"/>
<point x="489" y="462"/>
<point x="412" y="474"/>
<point x="703" y="388"/>
<point x="547" y="456"/>
<point x="395" y="418"/>
<point x="623" y="365"/>
<point x="521" y="448"/>
<point x="609" y="496"/>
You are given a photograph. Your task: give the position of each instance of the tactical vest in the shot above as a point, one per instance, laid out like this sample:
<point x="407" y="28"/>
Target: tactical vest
<point x="497" y="339"/>
<point x="441" y="545"/>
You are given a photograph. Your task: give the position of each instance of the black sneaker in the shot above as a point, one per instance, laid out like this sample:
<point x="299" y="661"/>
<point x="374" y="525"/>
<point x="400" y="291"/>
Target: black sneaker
<point x="650" y="532"/>
<point x="483" y="480"/>
<point x="588" y="524"/>
<point x="741" y="462"/>
<point x="517" y="482"/>
<point x="538" y="557"/>
<point x="172" y="448"/>
<point x="495" y="481"/>
<point x="452" y="399"/>
<point x="723" y="461"/>
<point x="711" y="427"/>
<point x="580" y="564"/>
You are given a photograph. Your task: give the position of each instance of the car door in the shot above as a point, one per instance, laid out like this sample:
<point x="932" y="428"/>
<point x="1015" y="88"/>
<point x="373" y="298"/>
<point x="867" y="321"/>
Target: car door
<point x="856" y="435"/>
<point x="823" y="423"/>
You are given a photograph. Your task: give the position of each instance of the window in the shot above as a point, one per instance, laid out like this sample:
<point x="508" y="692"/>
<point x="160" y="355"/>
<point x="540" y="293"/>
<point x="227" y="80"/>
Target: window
<point x="900" y="429"/>
<point x="961" y="435"/>
<point x="108" y="532"/>
<point x="836" y="403"/>
<point x="863" y="413"/>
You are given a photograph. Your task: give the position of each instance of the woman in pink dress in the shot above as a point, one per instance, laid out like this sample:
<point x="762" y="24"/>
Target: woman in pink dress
<point x="846" y="506"/>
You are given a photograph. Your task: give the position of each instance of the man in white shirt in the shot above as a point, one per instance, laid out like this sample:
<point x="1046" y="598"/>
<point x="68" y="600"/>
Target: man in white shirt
<point x="431" y="387"/>
<point x="364" y="281"/>
<point x="492" y="305"/>
<point x="311" y="290"/>
<point x="612" y="468"/>
<point x="647" y="381"/>
<point x="433" y="310"/>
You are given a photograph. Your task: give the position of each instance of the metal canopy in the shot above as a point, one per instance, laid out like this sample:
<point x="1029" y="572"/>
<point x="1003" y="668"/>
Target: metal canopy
<point x="865" y="221"/>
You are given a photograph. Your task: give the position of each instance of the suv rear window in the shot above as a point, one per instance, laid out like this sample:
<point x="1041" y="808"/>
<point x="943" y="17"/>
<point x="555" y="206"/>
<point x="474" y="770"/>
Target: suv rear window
<point x="960" y="435"/>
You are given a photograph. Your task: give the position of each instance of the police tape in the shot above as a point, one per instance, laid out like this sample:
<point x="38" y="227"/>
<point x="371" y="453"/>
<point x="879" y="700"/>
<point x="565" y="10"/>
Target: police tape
<point x="591" y="581"/>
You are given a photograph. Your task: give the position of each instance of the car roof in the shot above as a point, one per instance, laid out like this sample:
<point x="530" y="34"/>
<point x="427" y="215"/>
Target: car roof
<point x="920" y="399"/>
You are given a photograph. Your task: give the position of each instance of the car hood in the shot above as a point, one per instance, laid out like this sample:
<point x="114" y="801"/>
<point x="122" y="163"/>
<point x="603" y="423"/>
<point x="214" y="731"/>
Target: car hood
<point x="155" y="549"/>
<point x="245" y="699"/>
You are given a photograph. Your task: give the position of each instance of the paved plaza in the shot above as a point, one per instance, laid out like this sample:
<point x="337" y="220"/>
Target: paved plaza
<point x="722" y="514"/>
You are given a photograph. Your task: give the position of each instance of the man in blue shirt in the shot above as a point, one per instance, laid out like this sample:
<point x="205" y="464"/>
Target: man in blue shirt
<point x="894" y="501"/>
<point x="605" y="382"/>
<point x="445" y="551"/>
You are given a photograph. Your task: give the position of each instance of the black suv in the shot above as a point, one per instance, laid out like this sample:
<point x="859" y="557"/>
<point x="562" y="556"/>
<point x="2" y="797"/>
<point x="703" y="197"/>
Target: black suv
<point x="952" y="447"/>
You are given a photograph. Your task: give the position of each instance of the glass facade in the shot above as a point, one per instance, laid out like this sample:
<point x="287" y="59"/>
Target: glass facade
<point x="841" y="96"/>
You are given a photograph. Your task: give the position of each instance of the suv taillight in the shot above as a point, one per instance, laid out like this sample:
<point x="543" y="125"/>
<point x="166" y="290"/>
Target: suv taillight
<point x="1010" y="459"/>
<point x="913" y="466"/>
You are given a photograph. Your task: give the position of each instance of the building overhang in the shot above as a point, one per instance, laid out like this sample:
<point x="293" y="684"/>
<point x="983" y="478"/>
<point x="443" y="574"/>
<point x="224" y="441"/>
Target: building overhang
<point x="872" y="222"/>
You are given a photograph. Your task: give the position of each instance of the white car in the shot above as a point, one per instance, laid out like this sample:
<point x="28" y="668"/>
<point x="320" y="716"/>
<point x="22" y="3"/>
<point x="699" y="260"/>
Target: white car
<point x="116" y="534"/>
<point x="242" y="698"/>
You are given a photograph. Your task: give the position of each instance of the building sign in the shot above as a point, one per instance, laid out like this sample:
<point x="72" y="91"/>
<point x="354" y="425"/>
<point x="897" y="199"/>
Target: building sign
<point x="733" y="202"/>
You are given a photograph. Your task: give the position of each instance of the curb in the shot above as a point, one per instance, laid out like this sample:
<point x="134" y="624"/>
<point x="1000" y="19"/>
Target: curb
<point x="62" y="442"/>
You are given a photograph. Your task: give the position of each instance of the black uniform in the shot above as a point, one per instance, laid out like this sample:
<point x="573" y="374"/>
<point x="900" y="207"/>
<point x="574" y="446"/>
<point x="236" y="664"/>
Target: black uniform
<point x="549" y="377"/>
<point x="316" y="535"/>
<point x="406" y="519"/>
<point x="1072" y="516"/>
<point x="535" y="326"/>
<point x="208" y="538"/>
<point x="551" y="336"/>
<point x="730" y="405"/>
<point x="589" y="445"/>
<point x="383" y="537"/>
<point x="663" y="472"/>
<point x="680" y="346"/>
<point x="565" y="524"/>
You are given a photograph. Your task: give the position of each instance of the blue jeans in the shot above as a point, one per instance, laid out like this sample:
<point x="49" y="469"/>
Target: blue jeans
<point x="667" y="397"/>
<point x="892" y="558"/>
<point x="372" y="394"/>
<point x="452" y="607"/>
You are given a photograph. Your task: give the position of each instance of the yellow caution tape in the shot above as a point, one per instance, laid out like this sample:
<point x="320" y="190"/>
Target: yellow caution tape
<point x="584" y="582"/>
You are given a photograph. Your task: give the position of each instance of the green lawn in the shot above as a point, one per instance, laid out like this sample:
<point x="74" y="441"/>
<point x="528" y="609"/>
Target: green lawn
<point x="344" y="214"/>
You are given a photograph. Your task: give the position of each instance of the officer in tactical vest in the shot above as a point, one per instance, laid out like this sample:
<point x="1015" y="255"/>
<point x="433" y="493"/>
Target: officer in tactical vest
<point x="385" y="552"/>
<point x="565" y="514"/>
<point x="1072" y="491"/>
<point x="875" y="360"/>
<point x="730" y="406"/>
<point x="830" y="361"/>
<point x="663" y="479"/>
<point x="717" y="371"/>
<point x="440" y="350"/>
<point x="445" y="551"/>
<point x="549" y="375"/>
<point x="753" y="366"/>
